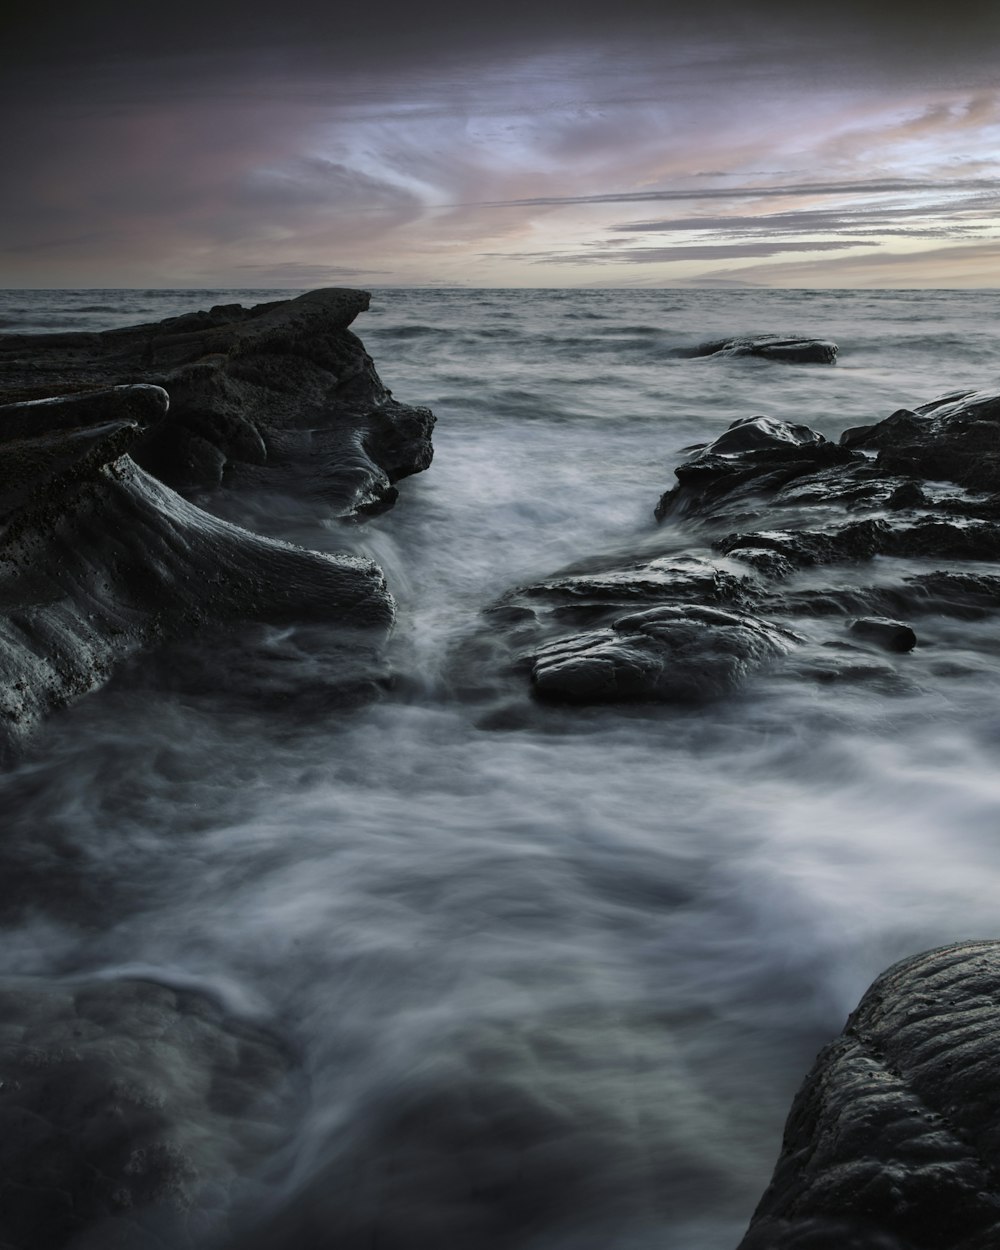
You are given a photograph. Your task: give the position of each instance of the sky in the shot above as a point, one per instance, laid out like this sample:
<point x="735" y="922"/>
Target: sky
<point x="524" y="143"/>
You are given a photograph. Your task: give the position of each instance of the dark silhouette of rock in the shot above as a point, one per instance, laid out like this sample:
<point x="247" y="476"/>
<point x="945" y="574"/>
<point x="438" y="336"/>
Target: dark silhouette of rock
<point x="885" y="633"/>
<point x="282" y="396"/>
<point x="127" y="1110"/>
<point x="99" y="560"/>
<point x="677" y="654"/>
<point x="894" y="1139"/>
<point x="796" y="351"/>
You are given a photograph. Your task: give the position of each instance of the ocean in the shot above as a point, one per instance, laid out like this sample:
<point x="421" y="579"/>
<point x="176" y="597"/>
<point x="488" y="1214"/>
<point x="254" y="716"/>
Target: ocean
<point x="549" y="987"/>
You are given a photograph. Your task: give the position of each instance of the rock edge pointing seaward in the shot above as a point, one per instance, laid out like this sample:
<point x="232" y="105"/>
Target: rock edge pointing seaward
<point x="281" y="396"/>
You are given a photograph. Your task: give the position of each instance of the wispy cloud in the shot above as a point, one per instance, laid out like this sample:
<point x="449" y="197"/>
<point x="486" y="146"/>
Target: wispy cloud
<point x="759" y="191"/>
<point x="659" y="255"/>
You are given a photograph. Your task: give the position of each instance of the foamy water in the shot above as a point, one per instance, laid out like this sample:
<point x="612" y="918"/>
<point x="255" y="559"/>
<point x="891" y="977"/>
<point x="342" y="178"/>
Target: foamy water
<point x="552" y="987"/>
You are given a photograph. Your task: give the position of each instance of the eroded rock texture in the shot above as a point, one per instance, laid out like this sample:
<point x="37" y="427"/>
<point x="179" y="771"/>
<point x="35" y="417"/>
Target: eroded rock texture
<point x="99" y="560"/>
<point x="281" y="396"/>
<point x="127" y="1110"/>
<point x="820" y="556"/>
<point x="893" y="1142"/>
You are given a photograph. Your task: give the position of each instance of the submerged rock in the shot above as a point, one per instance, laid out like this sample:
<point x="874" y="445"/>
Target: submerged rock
<point x="99" y="560"/>
<point x="796" y="351"/>
<point x="127" y="1111"/>
<point x="893" y="1140"/>
<point x="281" y="396"/>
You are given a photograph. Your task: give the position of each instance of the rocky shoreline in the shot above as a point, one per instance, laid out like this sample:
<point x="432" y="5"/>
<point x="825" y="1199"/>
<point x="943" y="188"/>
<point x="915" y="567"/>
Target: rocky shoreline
<point x="778" y="555"/>
<point x="101" y="560"/>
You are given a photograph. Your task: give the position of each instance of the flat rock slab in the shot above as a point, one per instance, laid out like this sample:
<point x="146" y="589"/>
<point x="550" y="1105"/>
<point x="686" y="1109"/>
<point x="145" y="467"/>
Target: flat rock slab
<point x="893" y="1142"/>
<point x="281" y="396"/>
<point x="121" y="1104"/>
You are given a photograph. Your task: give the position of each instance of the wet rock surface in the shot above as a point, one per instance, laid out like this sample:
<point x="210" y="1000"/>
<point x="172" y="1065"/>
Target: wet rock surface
<point x="128" y="1109"/>
<point x="893" y="1140"/>
<point x="99" y="562"/>
<point x="281" y="396"/>
<point x="795" y="351"/>
<point x="787" y="531"/>
<point x="669" y="654"/>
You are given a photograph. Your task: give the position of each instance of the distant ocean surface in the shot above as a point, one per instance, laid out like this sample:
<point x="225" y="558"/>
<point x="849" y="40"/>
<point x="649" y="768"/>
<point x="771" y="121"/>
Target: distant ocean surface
<point x="604" y="955"/>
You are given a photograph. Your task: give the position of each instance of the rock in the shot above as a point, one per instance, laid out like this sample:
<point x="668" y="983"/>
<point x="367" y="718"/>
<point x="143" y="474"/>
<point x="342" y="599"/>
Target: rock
<point x="755" y="457"/>
<point x="857" y="540"/>
<point x="128" y="1109"/>
<point x="281" y="396"/>
<point x="677" y="654"/>
<point x="785" y="503"/>
<point x="908" y="495"/>
<point x="762" y="434"/>
<point x="888" y="634"/>
<point x="99" y="561"/>
<point x="599" y="593"/>
<point x="797" y="351"/>
<point x="968" y="596"/>
<point x="954" y="438"/>
<point x="893" y="1140"/>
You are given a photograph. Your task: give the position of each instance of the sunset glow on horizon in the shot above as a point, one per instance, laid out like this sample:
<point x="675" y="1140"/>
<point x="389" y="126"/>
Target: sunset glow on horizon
<point x="647" y="152"/>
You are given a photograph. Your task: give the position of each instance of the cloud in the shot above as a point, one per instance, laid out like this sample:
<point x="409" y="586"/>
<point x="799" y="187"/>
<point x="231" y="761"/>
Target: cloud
<point x="760" y="191"/>
<point x="687" y="252"/>
<point x="455" y="143"/>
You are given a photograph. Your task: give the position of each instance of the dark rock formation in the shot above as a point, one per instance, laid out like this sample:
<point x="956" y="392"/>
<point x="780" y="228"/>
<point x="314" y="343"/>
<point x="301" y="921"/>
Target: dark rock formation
<point x="888" y="634"/>
<point x="755" y="456"/>
<point x="282" y="396"/>
<point x="777" y="522"/>
<point x="796" y="351"/>
<point x="123" y="1102"/>
<point x="668" y="655"/>
<point x="98" y="560"/>
<point x="955" y="438"/>
<point x="893" y="1142"/>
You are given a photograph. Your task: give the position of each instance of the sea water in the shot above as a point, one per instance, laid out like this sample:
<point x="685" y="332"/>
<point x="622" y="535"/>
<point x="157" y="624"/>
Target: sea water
<point x="554" y="987"/>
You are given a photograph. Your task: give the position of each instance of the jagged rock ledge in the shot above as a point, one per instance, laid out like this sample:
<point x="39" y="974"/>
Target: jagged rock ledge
<point x="893" y="1142"/>
<point x="100" y="561"/>
<point x="281" y="396"/>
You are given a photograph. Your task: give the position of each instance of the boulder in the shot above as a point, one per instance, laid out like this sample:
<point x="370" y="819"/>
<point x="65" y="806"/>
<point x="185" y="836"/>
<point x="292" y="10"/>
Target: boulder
<point x="677" y="654"/>
<point x="99" y="561"/>
<point x="755" y="456"/>
<point x="885" y="633"/>
<point x="128" y="1109"/>
<point x="281" y="396"/>
<point x="893" y="1142"/>
<point x="795" y="351"/>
